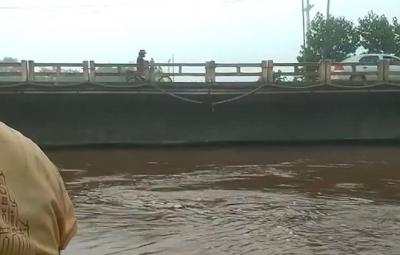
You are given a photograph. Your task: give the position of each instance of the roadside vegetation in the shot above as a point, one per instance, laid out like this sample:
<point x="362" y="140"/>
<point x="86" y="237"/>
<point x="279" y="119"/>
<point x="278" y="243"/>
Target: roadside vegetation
<point x="338" y="38"/>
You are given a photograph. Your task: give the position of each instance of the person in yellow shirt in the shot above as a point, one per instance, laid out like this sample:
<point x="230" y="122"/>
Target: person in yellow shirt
<point x="36" y="214"/>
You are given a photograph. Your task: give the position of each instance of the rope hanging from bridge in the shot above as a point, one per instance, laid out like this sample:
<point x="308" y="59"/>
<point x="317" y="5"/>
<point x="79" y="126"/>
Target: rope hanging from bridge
<point x="336" y="85"/>
<point x="52" y="85"/>
<point x="138" y="85"/>
<point x="298" y="87"/>
<point x="174" y="95"/>
<point x="13" y="85"/>
<point x="232" y="99"/>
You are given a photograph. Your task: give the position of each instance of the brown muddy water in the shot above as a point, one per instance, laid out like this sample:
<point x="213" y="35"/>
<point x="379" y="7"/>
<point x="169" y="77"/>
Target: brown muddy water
<point x="331" y="199"/>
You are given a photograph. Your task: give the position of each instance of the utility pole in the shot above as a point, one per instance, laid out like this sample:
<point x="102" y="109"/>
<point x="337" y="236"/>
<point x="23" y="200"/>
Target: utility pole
<point x="306" y="10"/>
<point x="304" y="28"/>
<point x="328" y="7"/>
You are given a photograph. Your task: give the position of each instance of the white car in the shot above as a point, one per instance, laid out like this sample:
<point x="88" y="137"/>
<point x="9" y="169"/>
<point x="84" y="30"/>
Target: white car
<point x="366" y="67"/>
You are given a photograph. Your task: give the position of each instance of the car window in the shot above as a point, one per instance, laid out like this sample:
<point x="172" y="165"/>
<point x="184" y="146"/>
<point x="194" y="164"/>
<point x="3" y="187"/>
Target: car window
<point x="392" y="60"/>
<point x="369" y="60"/>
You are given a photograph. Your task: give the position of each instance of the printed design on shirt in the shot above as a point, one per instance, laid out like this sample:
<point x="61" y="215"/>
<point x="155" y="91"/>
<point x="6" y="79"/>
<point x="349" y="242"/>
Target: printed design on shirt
<point x="14" y="232"/>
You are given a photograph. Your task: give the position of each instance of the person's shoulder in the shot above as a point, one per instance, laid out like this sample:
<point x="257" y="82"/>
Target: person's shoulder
<point x="8" y="134"/>
<point x="15" y="141"/>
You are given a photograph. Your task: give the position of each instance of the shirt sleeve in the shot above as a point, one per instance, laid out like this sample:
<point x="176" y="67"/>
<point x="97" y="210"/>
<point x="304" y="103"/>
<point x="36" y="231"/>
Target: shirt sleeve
<point x="66" y="218"/>
<point x="44" y="205"/>
<point x="61" y="202"/>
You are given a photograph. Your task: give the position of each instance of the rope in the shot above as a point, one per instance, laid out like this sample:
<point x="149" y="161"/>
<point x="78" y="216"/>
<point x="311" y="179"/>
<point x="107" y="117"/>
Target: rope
<point x="299" y="87"/>
<point x="260" y="87"/>
<point x="239" y="96"/>
<point x="120" y="86"/>
<point x="13" y="85"/>
<point x="393" y="84"/>
<point x="185" y="99"/>
<point x="56" y="84"/>
<point x="336" y="85"/>
<point x="153" y="85"/>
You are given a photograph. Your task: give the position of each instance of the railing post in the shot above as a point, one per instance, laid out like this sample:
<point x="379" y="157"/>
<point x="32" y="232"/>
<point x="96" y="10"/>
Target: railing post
<point x="85" y="69"/>
<point x="383" y="70"/>
<point x="31" y="70"/>
<point x="386" y="70"/>
<point x="58" y="73"/>
<point x="152" y="77"/>
<point x="24" y="70"/>
<point x="210" y="72"/>
<point x="328" y="69"/>
<point x="92" y="72"/>
<point x="264" y="71"/>
<point x="322" y="71"/>
<point x="207" y="73"/>
<point x="270" y="71"/>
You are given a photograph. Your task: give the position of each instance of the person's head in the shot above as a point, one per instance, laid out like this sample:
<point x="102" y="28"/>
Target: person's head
<point x="142" y="53"/>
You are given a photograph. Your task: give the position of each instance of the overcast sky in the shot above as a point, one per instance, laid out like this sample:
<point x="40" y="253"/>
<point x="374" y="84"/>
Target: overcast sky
<point x="191" y="30"/>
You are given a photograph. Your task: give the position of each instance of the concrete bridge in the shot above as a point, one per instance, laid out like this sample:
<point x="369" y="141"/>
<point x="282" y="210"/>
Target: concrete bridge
<point x="96" y="103"/>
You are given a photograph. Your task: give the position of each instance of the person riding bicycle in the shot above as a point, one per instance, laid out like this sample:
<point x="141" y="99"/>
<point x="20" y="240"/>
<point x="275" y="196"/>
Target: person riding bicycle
<point x="142" y="64"/>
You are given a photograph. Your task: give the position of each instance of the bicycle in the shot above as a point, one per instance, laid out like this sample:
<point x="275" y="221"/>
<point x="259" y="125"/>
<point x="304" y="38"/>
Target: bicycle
<point x="133" y="76"/>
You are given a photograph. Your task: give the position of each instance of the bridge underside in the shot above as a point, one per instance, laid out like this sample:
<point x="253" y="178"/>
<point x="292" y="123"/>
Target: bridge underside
<point x="198" y="114"/>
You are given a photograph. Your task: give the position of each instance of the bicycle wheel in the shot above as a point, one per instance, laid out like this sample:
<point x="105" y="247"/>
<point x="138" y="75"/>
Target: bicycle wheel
<point x="165" y="78"/>
<point x="135" y="79"/>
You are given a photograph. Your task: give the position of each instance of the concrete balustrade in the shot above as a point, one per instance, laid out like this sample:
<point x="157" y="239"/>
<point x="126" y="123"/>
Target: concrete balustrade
<point x="267" y="71"/>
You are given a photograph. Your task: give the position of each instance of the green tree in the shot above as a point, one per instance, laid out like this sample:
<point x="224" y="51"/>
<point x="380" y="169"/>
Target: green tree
<point x="335" y="39"/>
<point x="8" y="68"/>
<point x="9" y="59"/>
<point x="377" y="34"/>
<point x="396" y="28"/>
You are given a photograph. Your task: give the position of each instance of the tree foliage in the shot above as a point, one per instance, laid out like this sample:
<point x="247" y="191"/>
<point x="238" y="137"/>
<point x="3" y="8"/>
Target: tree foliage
<point x="334" y="39"/>
<point x="396" y="29"/>
<point x="8" y="68"/>
<point x="378" y="34"/>
<point x="9" y="59"/>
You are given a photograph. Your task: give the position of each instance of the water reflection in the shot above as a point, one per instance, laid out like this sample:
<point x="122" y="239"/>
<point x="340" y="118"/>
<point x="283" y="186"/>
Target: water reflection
<point x="242" y="200"/>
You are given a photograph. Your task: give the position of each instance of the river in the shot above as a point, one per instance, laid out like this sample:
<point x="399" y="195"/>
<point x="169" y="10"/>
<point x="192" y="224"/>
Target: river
<point x="277" y="199"/>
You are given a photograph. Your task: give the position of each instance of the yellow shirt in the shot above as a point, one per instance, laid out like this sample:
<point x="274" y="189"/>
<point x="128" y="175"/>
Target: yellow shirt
<point x="36" y="213"/>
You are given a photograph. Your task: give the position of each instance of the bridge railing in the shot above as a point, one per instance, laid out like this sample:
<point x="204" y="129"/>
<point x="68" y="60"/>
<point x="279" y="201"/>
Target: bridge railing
<point x="284" y="74"/>
<point x="266" y="71"/>
<point x="58" y="73"/>
<point x="392" y="72"/>
<point x="181" y="72"/>
<point x="109" y="72"/>
<point x="383" y="71"/>
<point x="14" y="71"/>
